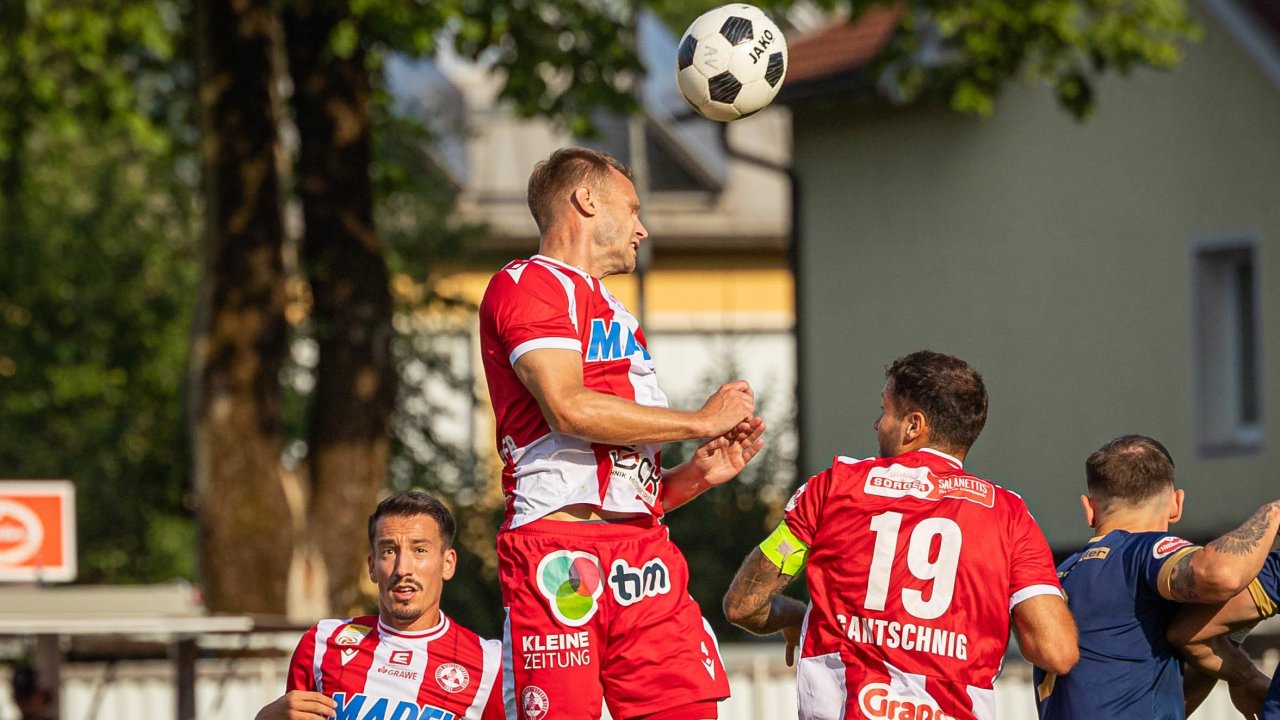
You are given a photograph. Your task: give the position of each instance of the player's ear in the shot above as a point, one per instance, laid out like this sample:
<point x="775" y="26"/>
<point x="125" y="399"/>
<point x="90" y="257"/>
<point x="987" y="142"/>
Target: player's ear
<point x="584" y="200"/>
<point x="1175" y="505"/>
<point x="450" y="563"/>
<point x="914" y="426"/>
<point x="373" y="578"/>
<point x="1090" y="515"/>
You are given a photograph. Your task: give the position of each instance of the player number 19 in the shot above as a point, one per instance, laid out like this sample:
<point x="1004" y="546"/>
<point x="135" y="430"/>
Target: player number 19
<point x="941" y="570"/>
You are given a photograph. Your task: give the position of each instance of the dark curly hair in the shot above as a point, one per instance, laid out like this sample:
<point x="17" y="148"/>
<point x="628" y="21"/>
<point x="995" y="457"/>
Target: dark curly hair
<point x="946" y="390"/>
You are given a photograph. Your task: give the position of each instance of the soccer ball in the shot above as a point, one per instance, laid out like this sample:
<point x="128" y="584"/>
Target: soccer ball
<point x="731" y="62"/>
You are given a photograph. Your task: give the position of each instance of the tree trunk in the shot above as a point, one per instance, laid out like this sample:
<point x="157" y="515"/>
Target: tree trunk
<point x="240" y="338"/>
<point x="354" y="395"/>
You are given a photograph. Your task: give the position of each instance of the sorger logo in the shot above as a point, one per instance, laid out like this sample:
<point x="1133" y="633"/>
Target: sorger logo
<point x="879" y="702"/>
<point x="571" y="582"/>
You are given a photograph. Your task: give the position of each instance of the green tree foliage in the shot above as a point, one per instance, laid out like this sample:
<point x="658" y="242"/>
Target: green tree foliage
<point x="101" y="206"/>
<point x="97" y="219"/>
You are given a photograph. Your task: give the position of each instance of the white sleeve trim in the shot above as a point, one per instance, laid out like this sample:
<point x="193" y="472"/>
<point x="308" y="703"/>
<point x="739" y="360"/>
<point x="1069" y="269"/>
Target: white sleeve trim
<point x="544" y="343"/>
<point x="1027" y="593"/>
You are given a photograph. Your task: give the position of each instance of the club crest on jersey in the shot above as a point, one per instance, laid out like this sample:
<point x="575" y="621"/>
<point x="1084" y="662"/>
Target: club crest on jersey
<point x="878" y="701"/>
<point x="631" y="585"/>
<point x="639" y="470"/>
<point x="898" y="481"/>
<point x="452" y="677"/>
<point x="1168" y="546"/>
<point x="570" y="581"/>
<point x="358" y="706"/>
<point x="534" y="703"/>
<point x="612" y="341"/>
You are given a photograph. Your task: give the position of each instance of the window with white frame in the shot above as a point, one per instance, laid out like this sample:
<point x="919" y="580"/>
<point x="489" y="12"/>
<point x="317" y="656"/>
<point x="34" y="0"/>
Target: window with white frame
<point x="1227" y="353"/>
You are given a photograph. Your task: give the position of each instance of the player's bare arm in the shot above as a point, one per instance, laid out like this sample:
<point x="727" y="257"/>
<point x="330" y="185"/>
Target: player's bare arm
<point x="1225" y="566"/>
<point x="754" y="602"/>
<point x="1201" y="633"/>
<point x="554" y="378"/>
<point x="1047" y="633"/>
<point x="715" y="462"/>
<point x="299" y="705"/>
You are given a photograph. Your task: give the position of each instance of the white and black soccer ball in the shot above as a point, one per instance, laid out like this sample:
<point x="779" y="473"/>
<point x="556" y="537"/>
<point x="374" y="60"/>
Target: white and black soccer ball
<point x="731" y="62"/>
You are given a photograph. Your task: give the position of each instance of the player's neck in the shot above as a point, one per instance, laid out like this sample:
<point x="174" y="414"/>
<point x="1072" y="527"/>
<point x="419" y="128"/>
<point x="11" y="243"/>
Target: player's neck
<point x="426" y="621"/>
<point x="1132" y="520"/>
<point x="561" y="247"/>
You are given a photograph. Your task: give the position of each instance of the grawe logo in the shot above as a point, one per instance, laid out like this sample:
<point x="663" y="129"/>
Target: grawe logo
<point x="571" y="582"/>
<point x="878" y="701"/>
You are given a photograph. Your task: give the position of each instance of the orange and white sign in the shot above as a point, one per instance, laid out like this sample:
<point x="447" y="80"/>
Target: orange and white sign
<point x="37" y="530"/>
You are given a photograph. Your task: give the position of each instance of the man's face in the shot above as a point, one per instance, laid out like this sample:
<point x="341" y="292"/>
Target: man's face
<point x="618" y="230"/>
<point x="888" y="426"/>
<point x="409" y="564"/>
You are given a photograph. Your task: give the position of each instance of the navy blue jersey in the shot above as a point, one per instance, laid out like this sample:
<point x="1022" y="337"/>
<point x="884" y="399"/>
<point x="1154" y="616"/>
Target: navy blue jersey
<point x="1266" y="595"/>
<point x="1127" y="668"/>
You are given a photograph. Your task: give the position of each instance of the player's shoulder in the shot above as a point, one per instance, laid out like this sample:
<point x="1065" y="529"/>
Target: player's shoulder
<point x="345" y="631"/>
<point x="466" y="640"/>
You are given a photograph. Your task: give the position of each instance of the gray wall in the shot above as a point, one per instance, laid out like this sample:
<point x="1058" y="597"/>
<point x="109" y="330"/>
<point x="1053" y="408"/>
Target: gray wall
<point x="1055" y="257"/>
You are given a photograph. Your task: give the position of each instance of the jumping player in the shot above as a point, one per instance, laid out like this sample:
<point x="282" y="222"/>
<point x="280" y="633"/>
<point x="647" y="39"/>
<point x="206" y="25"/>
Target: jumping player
<point x="595" y="592"/>
<point x="913" y="565"/>
<point x="1206" y="635"/>
<point x="1124" y="586"/>
<point x="410" y="660"/>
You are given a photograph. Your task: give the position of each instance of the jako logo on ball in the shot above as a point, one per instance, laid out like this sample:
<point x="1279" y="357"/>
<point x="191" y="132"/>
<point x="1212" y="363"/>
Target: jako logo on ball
<point x="571" y="581"/>
<point x="731" y="62"/>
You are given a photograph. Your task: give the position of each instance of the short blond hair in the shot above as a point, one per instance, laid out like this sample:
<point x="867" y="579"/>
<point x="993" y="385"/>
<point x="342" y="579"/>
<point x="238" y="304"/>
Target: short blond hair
<point x="563" y="172"/>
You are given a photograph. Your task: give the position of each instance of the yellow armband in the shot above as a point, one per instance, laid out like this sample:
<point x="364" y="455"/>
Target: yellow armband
<point x="785" y="550"/>
<point x="1261" y="600"/>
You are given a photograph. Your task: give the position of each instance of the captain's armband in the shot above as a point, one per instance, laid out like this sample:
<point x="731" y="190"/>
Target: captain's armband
<point x="785" y="550"/>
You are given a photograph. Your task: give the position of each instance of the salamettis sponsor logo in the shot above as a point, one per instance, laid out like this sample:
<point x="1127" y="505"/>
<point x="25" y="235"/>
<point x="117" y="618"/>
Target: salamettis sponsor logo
<point x="878" y="701"/>
<point x="897" y="481"/>
<point x="358" y="706"/>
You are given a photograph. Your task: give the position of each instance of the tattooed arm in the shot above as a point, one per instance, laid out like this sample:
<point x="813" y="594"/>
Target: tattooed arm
<point x="753" y="602"/>
<point x="1204" y="635"/>
<point x="1224" y="567"/>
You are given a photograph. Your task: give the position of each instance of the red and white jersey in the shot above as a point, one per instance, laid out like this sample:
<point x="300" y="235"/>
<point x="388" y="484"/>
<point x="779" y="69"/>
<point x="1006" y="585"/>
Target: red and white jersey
<point x="375" y="672"/>
<point x="913" y="567"/>
<point x="543" y="303"/>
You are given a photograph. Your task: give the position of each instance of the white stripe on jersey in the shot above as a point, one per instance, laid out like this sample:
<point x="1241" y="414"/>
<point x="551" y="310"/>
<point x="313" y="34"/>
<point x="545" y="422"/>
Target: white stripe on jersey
<point x="544" y="343"/>
<point x="984" y="703"/>
<point x="567" y="284"/>
<point x="1031" y="591"/>
<point x="399" y="664"/>
<point x="508" y="669"/>
<point x="324" y="631"/>
<point x="820" y="687"/>
<point x="493" y="659"/>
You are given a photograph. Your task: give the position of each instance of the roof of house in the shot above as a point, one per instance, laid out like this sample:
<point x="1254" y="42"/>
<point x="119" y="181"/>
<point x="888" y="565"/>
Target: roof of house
<point x="830" y="57"/>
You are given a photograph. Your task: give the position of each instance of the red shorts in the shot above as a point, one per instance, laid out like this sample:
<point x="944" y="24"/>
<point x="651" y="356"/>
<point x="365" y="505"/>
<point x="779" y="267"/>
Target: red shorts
<point x="602" y="611"/>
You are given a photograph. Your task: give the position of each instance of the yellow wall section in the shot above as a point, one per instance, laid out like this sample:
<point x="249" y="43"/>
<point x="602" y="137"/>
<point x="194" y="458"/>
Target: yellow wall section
<point x="671" y="291"/>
